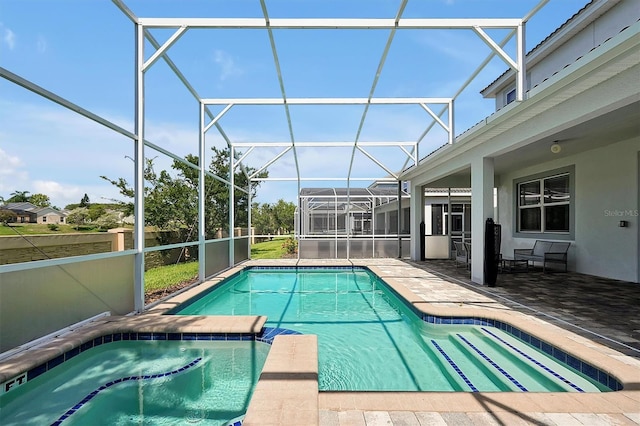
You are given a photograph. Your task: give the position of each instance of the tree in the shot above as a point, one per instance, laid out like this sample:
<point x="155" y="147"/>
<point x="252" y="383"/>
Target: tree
<point x="78" y="216"/>
<point x="85" y="201"/>
<point x="96" y="211"/>
<point x="284" y="212"/>
<point x="107" y="221"/>
<point x="263" y="219"/>
<point x="18" y="197"/>
<point x="40" y="200"/>
<point x="171" y="203"/>
<point x="275" y="218"/>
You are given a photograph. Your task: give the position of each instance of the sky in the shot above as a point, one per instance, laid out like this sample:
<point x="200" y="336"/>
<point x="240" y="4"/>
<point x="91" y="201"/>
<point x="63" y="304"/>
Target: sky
<point x="83" y="51"/>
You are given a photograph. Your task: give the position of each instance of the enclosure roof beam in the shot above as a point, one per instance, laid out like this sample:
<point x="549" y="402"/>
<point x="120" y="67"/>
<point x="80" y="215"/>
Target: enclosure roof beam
<point x="325" y="101"/>
<point x="321" y="179"/>
<point x="321" y="144"/>
<point x="331" y="23"/>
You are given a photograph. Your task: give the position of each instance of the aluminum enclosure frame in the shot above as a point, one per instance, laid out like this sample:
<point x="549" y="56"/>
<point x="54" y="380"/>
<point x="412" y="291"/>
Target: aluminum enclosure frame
<point x="517" y="27"/>
<point x="208" y="120"/>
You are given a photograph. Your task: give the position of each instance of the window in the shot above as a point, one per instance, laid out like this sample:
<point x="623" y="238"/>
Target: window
<point x="44" y="218"/>
<point x="511" y="96"/>
<point x="544" y="204"/>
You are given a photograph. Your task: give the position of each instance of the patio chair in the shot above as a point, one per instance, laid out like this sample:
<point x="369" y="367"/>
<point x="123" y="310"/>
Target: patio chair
<point x="463" y="253"/>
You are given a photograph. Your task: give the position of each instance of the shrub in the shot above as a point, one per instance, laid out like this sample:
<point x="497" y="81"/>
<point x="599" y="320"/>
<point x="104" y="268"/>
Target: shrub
<point x="290" y="245"/>
<point x="7" y="216"/>
<point x="53" y="226"/>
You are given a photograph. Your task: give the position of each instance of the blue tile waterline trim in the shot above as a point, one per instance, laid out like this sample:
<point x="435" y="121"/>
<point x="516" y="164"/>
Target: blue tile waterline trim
<point x="454" y="366"/>
<point x="306" y="267"/>
<point x="536" y="362"/>
<point x="493" y="364"/>
<point x="107" y="385"/>
<point x="116" y="337"/>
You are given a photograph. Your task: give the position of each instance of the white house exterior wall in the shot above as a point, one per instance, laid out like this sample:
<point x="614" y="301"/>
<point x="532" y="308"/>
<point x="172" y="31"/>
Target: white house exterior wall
<point x="51" y="218"/>
<point x="606" y="26"/>
<point x="606" y="192"/>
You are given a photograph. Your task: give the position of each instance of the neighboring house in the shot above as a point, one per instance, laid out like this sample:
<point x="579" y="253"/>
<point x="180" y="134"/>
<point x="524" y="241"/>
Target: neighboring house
<point x="30" y="213"/>
<point x="564" y="162"/>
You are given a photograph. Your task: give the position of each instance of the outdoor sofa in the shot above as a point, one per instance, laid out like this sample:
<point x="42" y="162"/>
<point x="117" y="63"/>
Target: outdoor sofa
<point x="544" y="252"/>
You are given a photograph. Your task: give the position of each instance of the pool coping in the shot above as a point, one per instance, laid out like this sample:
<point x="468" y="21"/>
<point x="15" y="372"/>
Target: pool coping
<point x="625" y="369"/>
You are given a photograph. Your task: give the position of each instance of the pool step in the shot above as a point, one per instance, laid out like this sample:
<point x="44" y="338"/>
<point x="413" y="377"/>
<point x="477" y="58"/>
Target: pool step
<point x="554" y="371"/>
<point x="510" y="368"/>
<point x="490" y="360"/>
<point x="499" y="376"/>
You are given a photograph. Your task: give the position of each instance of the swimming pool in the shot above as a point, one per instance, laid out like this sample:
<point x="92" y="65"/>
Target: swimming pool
<point x="142" y="382"/>
<point x="369" y="340"/>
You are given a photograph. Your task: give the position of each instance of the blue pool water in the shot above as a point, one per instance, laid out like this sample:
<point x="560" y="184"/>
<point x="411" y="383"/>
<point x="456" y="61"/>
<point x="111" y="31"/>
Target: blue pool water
<point x="142" y="382"/>
<point x="370" y="340"/>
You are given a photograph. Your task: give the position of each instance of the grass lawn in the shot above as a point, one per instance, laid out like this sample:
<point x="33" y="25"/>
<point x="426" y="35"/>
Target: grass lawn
<point x="269" y="249"/>
<point x="164" y="277"/>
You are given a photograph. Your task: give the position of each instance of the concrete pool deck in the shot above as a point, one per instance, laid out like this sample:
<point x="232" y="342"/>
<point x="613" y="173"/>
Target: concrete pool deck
<point x="287" y="392"/>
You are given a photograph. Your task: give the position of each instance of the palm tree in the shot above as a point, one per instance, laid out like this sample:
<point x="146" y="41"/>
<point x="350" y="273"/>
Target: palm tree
<point x="19" y="197"/>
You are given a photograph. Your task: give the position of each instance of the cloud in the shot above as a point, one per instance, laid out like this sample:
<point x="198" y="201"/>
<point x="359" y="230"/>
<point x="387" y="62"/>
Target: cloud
<point x="9" y="37"/>
<point x="61" y="193"/>
<point x="11" y="172"/>
<point x="227" y="65"/>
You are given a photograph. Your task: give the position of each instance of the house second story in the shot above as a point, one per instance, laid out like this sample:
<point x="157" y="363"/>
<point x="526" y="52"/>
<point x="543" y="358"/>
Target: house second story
<point x="586" y="30"/>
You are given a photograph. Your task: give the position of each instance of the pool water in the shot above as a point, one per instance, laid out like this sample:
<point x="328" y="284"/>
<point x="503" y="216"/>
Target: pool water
<point x="142" y="382"/>
<point x="370" y="340"/>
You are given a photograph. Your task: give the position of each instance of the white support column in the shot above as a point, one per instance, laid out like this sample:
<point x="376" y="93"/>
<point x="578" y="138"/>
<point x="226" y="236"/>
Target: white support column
<point x="452" y="134"/>
<point x="521" y="74"/>
<point x="449" y="220"/>
<point x="249" y="233"/>
<point x="138" y="280"/>
<point x="416" y="216"/>
<point x="399" y="224"/>
<point x="482" y="183"/>
<point x="232" y="179"/>
<point x="202" y="232"/>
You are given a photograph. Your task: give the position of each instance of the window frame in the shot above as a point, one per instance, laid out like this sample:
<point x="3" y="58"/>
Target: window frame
<point x="509" y="93"/>
<point x="542" y="232"/>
